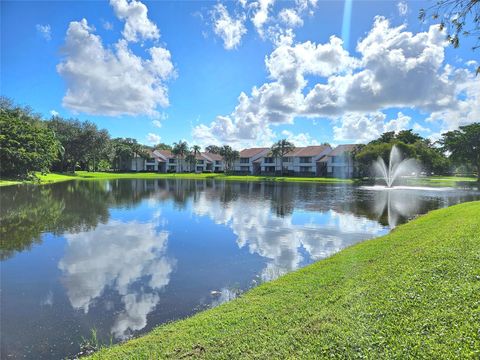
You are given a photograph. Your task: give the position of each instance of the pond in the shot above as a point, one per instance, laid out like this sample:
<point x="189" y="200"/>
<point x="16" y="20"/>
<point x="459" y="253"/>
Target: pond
<point x="123" y="256"/>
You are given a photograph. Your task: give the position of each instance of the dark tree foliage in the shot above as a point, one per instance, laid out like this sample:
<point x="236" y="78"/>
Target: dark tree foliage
<point x="385" y="138"/>
<point x="72" y="207"/>
<point x="83" y="143"/>
<point x="124" y="149"/>
<point x="408" y="137"/>
<point x="280" y="149"/>
<point x="464" y="145"/>
<point x="162" y="146"/>
<point x="411" y="145"/>
<point x="213" y="149"/>
<point x="26" y="144"/>
<point x="229" y="156"/>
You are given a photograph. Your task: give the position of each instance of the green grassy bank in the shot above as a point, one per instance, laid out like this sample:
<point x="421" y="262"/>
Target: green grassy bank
<point x="449" y="181"/>
<point x="85" y="175"/>
<point x="412" y="294"/>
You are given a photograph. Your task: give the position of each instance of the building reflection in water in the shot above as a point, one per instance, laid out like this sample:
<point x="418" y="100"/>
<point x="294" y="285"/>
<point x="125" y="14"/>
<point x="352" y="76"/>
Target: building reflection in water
<point x="136" y="253"/>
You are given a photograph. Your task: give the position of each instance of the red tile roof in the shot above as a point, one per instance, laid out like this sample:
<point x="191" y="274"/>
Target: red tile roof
<point x="306" y="151"/>
<point x="213" y="157"/>
<point x="341" y="149"/>
<point x="248" y="153"/>
<point x="166" y="153"/>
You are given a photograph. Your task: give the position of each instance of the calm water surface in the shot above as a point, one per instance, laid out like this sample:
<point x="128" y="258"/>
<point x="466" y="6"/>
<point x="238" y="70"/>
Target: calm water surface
<point x="124" y="256"/>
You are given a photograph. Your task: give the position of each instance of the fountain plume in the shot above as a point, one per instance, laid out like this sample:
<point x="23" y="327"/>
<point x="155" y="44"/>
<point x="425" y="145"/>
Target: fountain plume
<point x="396" y="166"/>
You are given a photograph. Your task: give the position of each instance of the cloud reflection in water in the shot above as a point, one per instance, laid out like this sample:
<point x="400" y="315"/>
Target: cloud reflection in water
<point x="116" y="255"/>
<point x="278" y="238"/>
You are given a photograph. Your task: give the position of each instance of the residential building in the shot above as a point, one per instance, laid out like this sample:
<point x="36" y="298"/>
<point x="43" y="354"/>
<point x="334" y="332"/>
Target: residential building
<point x="318" y="160"/>
<point x="163" y="161"/>
<point x="208" y="162"/>
<point x="250" y="160"/>
<point x="339" y="162"/>
<point x="134" y="164"/>
<point x="168" y="162"/>
<point x="301" y="161"/>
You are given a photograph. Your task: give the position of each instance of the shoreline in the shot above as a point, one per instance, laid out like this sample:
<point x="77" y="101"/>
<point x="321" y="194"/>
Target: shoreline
<point x="52" y="178"/>
<point x="88" y="176"/>
<point x="411" y="292"/>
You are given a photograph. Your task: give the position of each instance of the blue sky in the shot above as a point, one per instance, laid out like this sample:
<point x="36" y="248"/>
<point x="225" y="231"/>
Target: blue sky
<point x="309" y="88"/>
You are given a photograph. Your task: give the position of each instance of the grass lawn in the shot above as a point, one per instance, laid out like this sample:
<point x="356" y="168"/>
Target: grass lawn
<point x="449" y="181"/>
<point x="411" y="294"/>
<point x="85" y="175"/>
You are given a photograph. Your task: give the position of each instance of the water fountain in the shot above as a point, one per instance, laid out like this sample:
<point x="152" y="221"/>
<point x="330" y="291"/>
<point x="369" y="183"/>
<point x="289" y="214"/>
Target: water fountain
<point x="396" y="166"/>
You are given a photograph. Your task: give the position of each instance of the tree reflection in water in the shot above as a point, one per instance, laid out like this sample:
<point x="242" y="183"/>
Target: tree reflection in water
<point x="116" y="236"/>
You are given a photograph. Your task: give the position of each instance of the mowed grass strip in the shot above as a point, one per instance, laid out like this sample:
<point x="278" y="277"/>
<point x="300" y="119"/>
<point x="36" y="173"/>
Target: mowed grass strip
<point x="85" y="175"/>
<point x="412" y="294"/>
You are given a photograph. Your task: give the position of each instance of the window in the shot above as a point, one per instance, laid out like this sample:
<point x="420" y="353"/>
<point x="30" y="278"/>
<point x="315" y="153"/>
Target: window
<point x="305" y="169"/>
<point x="244" y="160"/>
<point x="268" y="160"/>
<point x="151" y="160"/>
<point x="244" y="168"/>
<point x="269" y="168"/>
<point x="305" y="159"/>
<point x="286" y="159"/>
<point x="200" y="162"/>
<point x="334" y="159"/>
<point x="217" y="162"/>
<point x="171" y="161"/>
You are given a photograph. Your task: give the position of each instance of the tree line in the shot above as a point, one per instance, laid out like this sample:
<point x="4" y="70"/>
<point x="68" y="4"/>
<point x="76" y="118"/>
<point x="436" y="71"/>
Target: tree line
<point x="30" y="144"/>
<point x="457" y="151"/>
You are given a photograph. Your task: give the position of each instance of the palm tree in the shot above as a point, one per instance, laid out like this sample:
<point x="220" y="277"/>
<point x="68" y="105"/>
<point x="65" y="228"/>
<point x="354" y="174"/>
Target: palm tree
<point x="136" y="148"/>
<point x="234" y="155"/>
<point x="180" y="149"/>
<point x="191" y="159"/>
<point x="280" y="149"/>
<point x="195" y="151"/>
<point x="213" y="149"/>
<point x="229" y="156"/>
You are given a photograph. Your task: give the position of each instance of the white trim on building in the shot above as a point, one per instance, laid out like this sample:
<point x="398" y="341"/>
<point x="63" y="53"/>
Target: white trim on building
<point x="302" y="160"/>
<point x="248" y="162"/>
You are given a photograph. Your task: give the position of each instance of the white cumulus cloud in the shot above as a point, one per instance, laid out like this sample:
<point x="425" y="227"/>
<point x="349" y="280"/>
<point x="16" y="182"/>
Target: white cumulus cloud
<point x="137" y="24"/>
<point x="229" y="29"/>
<point x="361" y="128"/>
<point x="419" y="128"/>
<point x="271" y="19"/>
<point x="290" y="18"/>
<point x="153" y="138"/>
<point x="261" y="14"/>
<point x="396" y="69"/>
<point x="300" y="139"/>
<point x="104" y="81"/>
